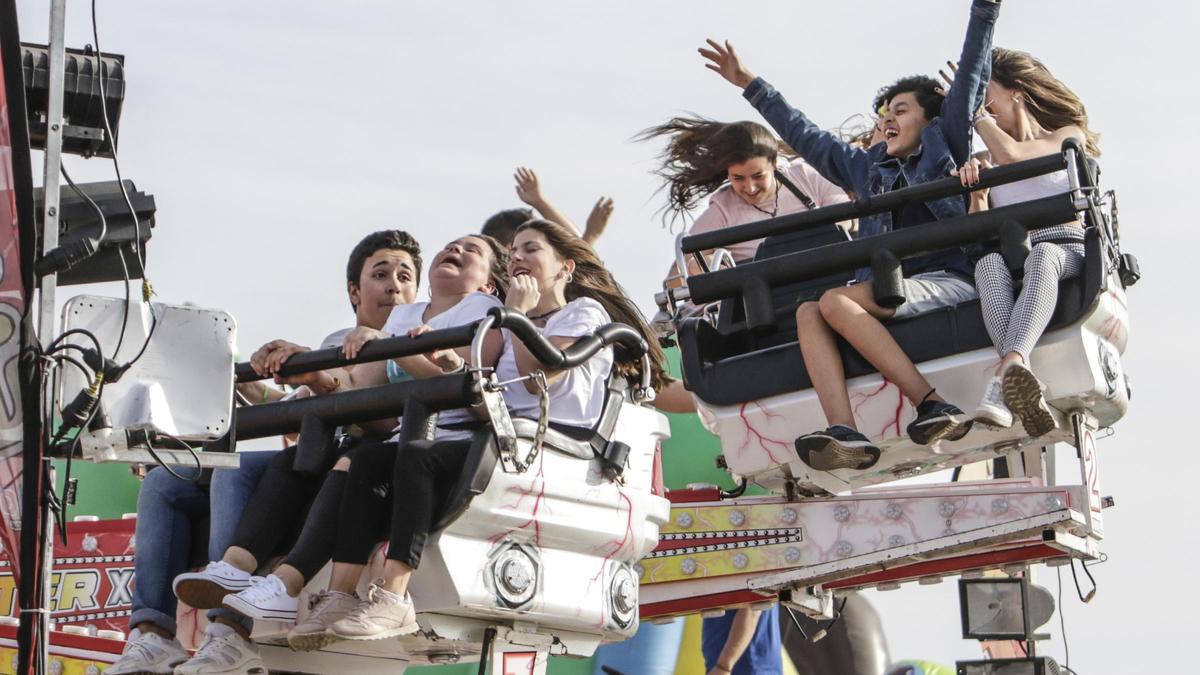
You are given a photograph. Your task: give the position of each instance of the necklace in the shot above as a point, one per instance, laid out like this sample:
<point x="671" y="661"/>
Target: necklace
<point x="774" y="209"/>
<point x="541" y="316"/>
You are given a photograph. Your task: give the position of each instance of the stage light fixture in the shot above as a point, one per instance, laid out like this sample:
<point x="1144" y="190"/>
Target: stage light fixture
<point x="83" y="106"/>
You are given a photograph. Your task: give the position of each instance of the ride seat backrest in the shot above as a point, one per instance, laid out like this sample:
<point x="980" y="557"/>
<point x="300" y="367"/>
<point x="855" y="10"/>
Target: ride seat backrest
<point x="571" y="441"/>
<point x="731" y="319"/>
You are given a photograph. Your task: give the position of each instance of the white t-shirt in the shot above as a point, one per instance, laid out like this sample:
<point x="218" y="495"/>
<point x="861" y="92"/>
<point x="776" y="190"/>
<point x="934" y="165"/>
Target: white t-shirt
<point x="577" y="398"/>
<point x="468" y="310"/>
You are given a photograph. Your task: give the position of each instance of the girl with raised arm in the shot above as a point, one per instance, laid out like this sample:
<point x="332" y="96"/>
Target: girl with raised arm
<point x="1029" y="113"/>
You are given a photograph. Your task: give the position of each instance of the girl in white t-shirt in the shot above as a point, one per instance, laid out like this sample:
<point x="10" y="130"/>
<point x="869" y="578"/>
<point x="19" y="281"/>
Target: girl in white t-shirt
<point x="467" y="278"/>
<point x="559" y="283"/>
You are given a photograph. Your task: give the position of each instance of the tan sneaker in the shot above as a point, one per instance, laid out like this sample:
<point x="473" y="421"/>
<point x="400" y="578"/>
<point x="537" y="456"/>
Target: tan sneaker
<point x="382" y="615"/>
<point x="324" y="608"/>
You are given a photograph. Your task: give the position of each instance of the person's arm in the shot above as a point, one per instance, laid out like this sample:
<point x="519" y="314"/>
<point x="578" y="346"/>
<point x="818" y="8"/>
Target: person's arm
<point x="597" y="220"/>
<point x="529" y="191"/>
<point x="1005" y="150"/>
<point x="974" y="70"/>
<point x="839" y="162"/>
<point x="713" y="218"/>
<point x="745" y="622"/>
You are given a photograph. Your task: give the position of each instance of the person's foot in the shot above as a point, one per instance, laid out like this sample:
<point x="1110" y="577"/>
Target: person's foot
<point x="991" y="409"/>
<point x="838" y="447"/>
<point x="148" y="654"/>
<point x="938" y="421"/>
<point x="382" y="615"/>
<point x="1023" y="395"/>
<point x="266" y="600"/>
<point x="224" y="652"/>
<point x="324" y="609"/>
<point x="205" y="589"/>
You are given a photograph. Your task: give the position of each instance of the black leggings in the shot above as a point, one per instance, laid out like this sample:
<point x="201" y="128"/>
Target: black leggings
<point x="417" y="482"/>
<point x="291" y="506"/>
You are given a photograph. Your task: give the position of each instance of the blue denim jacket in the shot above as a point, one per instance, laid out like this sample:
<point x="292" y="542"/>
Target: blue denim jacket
<point x="945" y="143"/>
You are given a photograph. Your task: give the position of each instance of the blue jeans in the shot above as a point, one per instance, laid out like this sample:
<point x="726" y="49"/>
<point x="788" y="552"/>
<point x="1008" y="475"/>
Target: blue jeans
<point x="167" y="510"/>
<point x="653" y="650"/>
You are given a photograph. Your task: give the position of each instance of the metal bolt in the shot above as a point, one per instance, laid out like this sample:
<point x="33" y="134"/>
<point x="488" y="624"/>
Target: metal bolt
<point x="841" y="513"/>
<point x="789" y="516"/>
<point x="894" y="511"/>
<point x="52" y="211"/>
<point x="843" y="548"/>
<point x="737" y="518"/>
<point x="740" y="560"/>
<point x="684" y="520"/>
<point x="999" y="506"/>
<point x="53" y="127"/>
<point x="688" y="566"/>
<point x="896" y="540"/>
<point x="947" y="509"/>
<point x="791" y="554"/>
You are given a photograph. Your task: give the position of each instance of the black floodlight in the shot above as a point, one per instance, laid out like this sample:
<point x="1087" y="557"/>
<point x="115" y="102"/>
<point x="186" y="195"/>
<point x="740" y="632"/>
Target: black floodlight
<point x="79" y="222"/>
<point x="1029" y="665"/>
<point x="83" y="106"/>
<point x="1003" y="608"/>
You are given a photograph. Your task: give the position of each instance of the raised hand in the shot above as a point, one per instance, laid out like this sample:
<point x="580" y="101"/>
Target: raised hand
<point x="597" y="220"/>
<point x="523" y="294"/>
<point x="528" y="188"/>
<point x="724" y="61"/>
<point x="446" y="359"/>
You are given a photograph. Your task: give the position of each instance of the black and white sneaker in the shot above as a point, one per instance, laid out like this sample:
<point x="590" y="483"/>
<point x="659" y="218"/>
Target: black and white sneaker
<point x="838" y="447"/>
<point x="938" y="421"/>
<point x="1023" y="396"/>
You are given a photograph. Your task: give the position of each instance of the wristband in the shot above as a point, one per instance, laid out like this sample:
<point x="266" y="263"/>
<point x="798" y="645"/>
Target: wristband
<point x="266" y="393"/>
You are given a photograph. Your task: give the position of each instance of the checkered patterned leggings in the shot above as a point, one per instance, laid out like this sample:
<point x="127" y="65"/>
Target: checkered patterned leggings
<point x="1016" y="325"/>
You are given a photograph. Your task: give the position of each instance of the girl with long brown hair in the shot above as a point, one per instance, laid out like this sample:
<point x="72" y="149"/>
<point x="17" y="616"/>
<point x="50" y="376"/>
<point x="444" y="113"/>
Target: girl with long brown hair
<point x="558" y="283"/>
<point x="748" y="172"/>
<point x="1029" y="113"/>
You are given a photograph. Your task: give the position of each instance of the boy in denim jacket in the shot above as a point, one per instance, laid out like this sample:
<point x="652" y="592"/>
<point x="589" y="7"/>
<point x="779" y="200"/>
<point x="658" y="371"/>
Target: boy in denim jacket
<point x="926" y="137"/>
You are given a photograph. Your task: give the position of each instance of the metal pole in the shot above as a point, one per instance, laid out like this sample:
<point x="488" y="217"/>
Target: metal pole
<point x="38" y="657"/>
<point x="53" y="163"/>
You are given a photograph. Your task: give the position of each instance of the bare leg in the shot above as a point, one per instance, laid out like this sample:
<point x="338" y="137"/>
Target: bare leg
<point x="818" y="346"/>
<point x="292" y="579"/>
<point x="345" y="576"/>
<point x="240" y="558"/>
<point x="395" y="576"/>
<point x="853" y="314"/>
<point x="151" y="627"/>
<point x="674" y="398"/>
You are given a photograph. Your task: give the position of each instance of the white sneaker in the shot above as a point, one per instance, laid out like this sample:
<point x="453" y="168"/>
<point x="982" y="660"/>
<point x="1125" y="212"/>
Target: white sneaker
<point x="206" y="588"/>
<point x="991" y="410"/>
<point x="224" y="652"/>
<point x="148" y="654"/>
<point x="324" y="609"/>
<point x="382" y="615"/>
<point x="266" y="600"/>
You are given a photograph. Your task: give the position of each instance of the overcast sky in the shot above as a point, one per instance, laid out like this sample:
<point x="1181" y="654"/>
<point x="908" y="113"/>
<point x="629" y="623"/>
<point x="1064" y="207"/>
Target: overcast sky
<point x="274" y="135"/>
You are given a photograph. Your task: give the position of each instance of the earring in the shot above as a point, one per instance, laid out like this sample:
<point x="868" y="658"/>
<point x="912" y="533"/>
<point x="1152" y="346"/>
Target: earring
<point x="570" y="277"/>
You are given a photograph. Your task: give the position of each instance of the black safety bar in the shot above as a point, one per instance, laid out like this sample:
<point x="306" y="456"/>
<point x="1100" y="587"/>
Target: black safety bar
<point x="356" y="405"/>
<point x="583" y="349"/>
<point x="872" y="204"/>
<point x="749" y="279"/>
<point x="375" y="350"/>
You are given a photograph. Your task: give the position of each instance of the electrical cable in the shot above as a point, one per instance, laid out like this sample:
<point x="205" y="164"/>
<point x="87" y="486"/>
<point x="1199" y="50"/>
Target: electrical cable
<point x="1062" y="623"/>
<point x="83" y="195"/>
<point x="137" y="226"/>
<point x="1090" y="594"/>
<point x="190" y="449"/>
<point x="75" y="331"/>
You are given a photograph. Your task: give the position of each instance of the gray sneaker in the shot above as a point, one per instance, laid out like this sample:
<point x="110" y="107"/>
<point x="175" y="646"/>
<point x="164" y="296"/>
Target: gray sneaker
<point x="382" y="615"/>
<point x="148" y="654"/>
<point x="324" y="609"/>
<point x="225" y="652"/>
